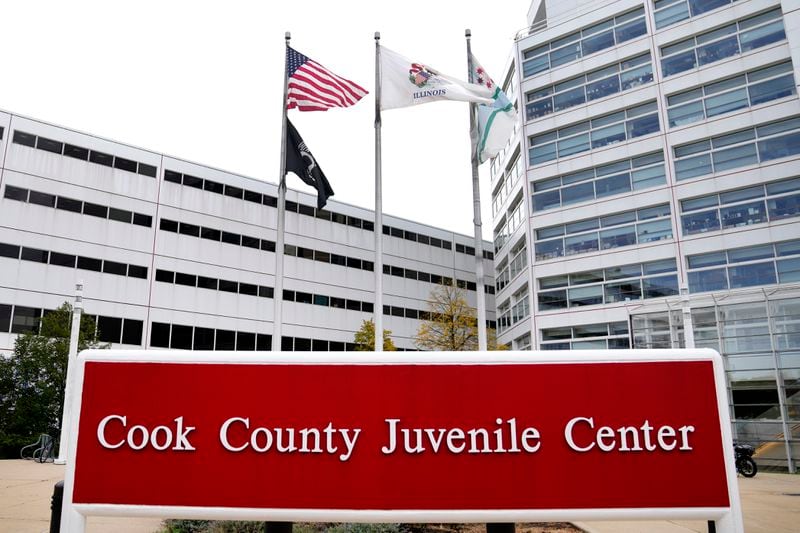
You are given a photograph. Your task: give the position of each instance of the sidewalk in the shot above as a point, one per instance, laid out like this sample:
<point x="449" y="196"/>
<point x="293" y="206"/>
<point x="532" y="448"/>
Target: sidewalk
<point x="26" y="489"/>
<point x="771" y="504"/>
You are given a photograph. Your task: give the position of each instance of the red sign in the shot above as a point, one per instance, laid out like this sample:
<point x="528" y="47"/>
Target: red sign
<point x="527" y="436"/>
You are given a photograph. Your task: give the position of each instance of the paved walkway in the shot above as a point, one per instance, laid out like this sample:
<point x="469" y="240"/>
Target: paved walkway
<point x="771" y="504"/>
<point x="26" y="489"/>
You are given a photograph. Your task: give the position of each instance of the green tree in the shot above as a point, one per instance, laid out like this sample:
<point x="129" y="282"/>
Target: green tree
<point x="452" y="324"/>
<point x="33" y="379"/>
<point x="365" y="338"/>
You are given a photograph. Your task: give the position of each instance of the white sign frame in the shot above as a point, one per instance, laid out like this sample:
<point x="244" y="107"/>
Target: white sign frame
<point x="727" y="520"/>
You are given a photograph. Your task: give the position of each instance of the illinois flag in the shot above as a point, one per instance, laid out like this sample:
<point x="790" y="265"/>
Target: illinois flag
<point x="405" y="83"/>
<point x="495" y="120"/>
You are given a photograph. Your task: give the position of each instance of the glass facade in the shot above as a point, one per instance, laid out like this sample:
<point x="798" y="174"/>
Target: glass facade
<point x="596" y="133"/>
<point x="589" y="40"/>
<point x="616" y="178"/>
<point x="741" y="207"/>
<point x="746" y="90"/>
<point x="727" y="41"/>
<point x="738" y="149"/>
<point x="588" y="87"/>
<point x="604" y="336"/>
<point x="765" y="264"/>
<point x="612" y="231"/>
<point x="759" y="339"/>
<point x="622" y="283"/>
<point x="669" y="12"/>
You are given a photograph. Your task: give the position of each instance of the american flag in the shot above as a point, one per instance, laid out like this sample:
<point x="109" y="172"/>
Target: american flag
<point x="312" y="87"/>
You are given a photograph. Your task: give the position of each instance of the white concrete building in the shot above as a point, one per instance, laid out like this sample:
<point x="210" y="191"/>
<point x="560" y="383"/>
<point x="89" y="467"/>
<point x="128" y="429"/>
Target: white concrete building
<point x="658" y="149"/>
<point x="180" y="255"/>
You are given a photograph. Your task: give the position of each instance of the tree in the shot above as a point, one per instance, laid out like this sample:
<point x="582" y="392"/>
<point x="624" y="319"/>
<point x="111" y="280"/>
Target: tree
<point x="33" y="379"/>
<point x="451" y="324"/>
<point x="365" y="338"/>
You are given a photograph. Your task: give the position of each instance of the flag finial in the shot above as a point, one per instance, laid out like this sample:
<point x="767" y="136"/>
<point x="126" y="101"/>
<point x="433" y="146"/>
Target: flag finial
<point x="377" y="36"/>
<point x="467" y="33"/>
<point x="287" y="35"/>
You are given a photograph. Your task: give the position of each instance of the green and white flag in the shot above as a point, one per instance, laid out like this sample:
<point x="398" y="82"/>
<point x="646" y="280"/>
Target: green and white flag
<point x="405" y="83"/>
<point x="495" y="120"/>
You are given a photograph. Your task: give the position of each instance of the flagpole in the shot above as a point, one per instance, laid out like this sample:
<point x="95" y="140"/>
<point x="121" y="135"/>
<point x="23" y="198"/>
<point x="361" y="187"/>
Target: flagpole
<point x="476" y="203"/>
<point x="378" y="308"/>
<point x="277" y="296"/>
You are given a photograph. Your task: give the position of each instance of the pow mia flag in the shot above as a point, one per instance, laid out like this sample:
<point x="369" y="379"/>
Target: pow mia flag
<point x="300" y="161"/>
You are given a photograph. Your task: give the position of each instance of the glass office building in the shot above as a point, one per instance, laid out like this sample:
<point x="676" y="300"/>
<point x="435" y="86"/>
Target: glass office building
<point x="658" y="153"/>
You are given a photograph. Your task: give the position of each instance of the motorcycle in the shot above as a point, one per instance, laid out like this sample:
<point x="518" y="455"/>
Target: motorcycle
<point x="745" y="465"/>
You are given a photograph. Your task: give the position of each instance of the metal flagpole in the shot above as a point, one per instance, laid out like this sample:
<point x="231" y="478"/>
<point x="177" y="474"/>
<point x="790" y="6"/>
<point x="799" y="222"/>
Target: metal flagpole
<point x="378" y="203"/>
<point x="476" y="203"/>
<point x="69" y="392"/>
<point x="277" y="321"/>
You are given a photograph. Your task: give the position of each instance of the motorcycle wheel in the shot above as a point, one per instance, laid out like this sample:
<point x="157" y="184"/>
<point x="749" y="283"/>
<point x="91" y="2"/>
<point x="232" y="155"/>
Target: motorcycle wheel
<point x="747" y="467"/>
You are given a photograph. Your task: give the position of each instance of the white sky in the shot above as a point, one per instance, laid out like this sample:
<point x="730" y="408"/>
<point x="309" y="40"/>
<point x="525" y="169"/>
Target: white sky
<point x="202" y="81"/>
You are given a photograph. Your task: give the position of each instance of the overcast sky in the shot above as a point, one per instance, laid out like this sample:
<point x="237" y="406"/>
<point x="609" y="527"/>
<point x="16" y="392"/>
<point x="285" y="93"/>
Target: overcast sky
<point x="203" y="81"/>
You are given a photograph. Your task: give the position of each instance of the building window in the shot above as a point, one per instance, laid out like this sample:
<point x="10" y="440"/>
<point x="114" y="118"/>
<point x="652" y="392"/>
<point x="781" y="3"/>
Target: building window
<point x="600" y="36"/>
<point x="715" y="45"/>
<point x="596" y="133"/>
<point x="25" y="319"/>
<point x="637" y="281"/>
<point x="741" y="148"/>
<point x="505" y="184"/>
<point x="588" y="87"/>
<point x="765" y="264"/>
<point x="508" y="225"/>
<point x="602" y="336"/>
<point x="509" y="271"/>
<point x="741" y="207"/>
<point x="669" y="12"/>
<point x="746" y="90"/>
<point x="612" y="231"/>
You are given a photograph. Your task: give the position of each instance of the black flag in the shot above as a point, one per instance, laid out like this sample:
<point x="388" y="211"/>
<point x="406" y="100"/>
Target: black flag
<point x="300" y="161"/>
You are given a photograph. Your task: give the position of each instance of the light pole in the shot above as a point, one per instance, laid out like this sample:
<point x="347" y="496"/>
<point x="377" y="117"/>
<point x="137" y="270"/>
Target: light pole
<point x="74" y="333"/>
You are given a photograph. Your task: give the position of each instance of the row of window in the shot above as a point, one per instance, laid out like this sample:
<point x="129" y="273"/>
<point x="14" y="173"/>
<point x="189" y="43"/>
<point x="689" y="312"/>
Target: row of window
<point x="599" y="36"/>
<point x="84" y="154"/>
<point x="745" y="90"/>
<point x="741" y="207"/>
<point x="214" y="284"/>
<point x="764" y="264"/>
<point x="294" y="207"/>
<point x="180" y="337"/>
<point x="602" y="336"/>
<point x="193" y="230"/>
<point x="14" y="251"/>
<point x="615" y="178"/>
<point x="609" y="285"/>
<point x="596" y="133"/>
<point x="733" y="150"/>
<point x="77" y="206"/>
<point x="202" y="232"/>
<point x="603" y="233"/>
<point x="21" y="319"/>
<point x="591" y="86"/>
<point x="730" y="40"/>
<point x="669" y="12"/>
